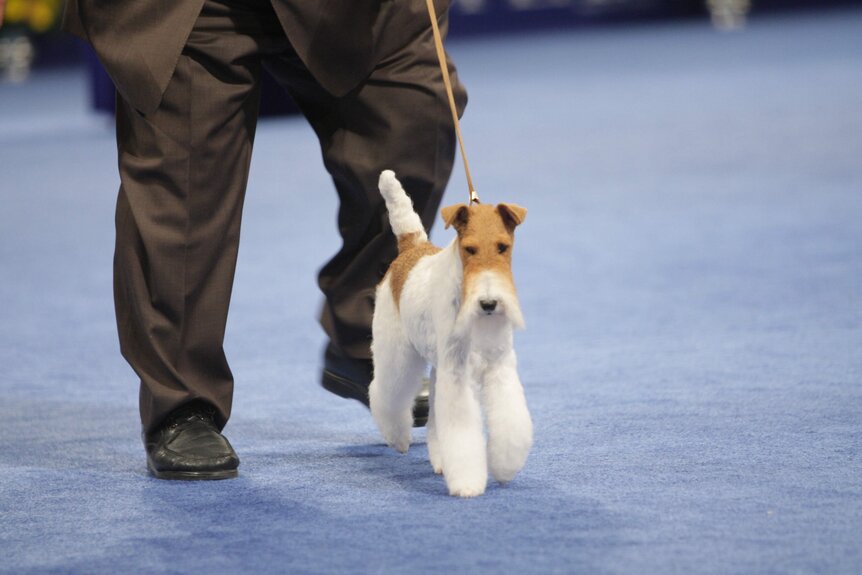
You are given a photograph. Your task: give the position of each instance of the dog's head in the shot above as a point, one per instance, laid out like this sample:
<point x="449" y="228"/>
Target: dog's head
<point x="486" y="236"/>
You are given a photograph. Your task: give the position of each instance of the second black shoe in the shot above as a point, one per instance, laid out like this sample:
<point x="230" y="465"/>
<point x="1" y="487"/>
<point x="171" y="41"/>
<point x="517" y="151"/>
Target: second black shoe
<point x="350" y="378"/>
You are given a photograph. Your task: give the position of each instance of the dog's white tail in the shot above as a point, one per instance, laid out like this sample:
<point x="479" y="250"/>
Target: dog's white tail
<point x="405" y="222"/>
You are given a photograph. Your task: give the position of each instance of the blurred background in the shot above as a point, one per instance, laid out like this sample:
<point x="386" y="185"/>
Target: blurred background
<point x="30" y="38"/>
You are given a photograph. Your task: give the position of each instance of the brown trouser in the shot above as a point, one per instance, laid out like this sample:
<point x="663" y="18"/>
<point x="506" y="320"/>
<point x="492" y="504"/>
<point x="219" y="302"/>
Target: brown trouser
<point x="184" y="170"/>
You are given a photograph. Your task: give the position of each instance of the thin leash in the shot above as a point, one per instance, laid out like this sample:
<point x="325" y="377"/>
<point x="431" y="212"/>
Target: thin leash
<point x="441" y="57"/>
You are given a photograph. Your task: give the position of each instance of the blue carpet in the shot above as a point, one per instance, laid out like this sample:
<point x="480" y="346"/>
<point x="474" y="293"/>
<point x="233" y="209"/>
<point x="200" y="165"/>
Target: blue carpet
<point x="691" y="275"/>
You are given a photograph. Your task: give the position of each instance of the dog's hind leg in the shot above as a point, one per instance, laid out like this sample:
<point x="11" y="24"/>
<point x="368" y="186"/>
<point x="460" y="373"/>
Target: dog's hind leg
<point x="397" y="380"/>
<point x="431" y="435"/>
<point x="398" y="371"/>
<point x="510" y="429"/>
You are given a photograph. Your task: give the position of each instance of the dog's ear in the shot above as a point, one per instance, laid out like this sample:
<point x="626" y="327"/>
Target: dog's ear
<point x="513" y="215"/>
<point x="455" y="215"/>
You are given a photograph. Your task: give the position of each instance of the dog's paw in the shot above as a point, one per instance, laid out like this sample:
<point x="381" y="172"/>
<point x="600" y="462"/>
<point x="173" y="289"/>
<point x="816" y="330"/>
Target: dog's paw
<point x="437" y="467"/>
<point x="504" y="475"/>
<point x="434" y="456"/>
<point x="504" y="469"/>
<point x="505" y="461"/>
<point x="396" y="429"/>
<point x="397" y="435"/>
<point x="507" y="454"/>
<point x="467" y="485"/>
<point x="401" y="446"/>
<point x="466" y="490"/>
<point x="400" y="442"/>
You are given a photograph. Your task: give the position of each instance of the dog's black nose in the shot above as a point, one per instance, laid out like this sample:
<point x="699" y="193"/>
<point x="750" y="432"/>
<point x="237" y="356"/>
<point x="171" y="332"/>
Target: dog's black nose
<point x="488" y="305"/>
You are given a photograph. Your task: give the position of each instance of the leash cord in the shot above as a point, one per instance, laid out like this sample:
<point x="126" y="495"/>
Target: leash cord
<point x="441" y="57"/>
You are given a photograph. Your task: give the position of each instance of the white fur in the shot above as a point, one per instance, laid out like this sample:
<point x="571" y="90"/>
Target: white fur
<point x="402" y="217"/>
<point x="474" y="367"/>
<point x="489" y="286"/>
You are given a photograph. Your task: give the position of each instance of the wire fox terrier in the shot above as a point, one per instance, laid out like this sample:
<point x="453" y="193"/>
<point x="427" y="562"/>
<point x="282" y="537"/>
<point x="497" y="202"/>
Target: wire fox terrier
<point x="454" y="308"/>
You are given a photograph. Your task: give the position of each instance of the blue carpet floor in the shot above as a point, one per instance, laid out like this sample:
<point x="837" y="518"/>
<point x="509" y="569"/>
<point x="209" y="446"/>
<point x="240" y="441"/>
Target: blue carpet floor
<point x="691" y="275"/>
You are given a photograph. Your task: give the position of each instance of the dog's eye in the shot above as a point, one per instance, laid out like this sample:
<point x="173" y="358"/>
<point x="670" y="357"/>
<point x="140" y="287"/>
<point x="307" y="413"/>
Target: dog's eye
<point x="470" y="250"/>
<point x="502" y="248"/>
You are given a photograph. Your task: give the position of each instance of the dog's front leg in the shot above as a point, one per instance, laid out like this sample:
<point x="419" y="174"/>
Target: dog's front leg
<point x="510" y="429"/>
<point x="458" y="425"/>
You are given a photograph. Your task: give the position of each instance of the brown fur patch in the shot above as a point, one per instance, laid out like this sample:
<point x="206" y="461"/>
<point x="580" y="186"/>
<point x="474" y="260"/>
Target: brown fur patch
<point x="406" y="261"/>
<point x="407" y="241"/>
<point x="485" y="230"/>
<point x="485" y="238"/>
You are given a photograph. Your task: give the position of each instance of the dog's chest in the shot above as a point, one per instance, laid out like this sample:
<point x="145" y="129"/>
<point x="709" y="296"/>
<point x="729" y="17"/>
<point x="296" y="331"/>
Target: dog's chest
<point x="428" y="306"/>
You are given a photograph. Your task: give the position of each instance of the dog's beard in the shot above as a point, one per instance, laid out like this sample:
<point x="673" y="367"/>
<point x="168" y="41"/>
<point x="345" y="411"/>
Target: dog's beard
<point x="488" y="286"/>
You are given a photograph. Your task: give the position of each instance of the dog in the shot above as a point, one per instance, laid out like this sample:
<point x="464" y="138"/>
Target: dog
<point x="454" y="308"/>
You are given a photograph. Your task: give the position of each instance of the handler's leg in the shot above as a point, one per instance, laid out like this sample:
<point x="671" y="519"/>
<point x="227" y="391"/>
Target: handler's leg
<point x="184" y="170"/>
<point x="397" y="119"/>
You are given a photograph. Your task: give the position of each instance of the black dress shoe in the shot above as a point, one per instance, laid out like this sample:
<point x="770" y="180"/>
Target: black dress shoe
<point x="188" y="446"/>
<point x="349" y="377"/>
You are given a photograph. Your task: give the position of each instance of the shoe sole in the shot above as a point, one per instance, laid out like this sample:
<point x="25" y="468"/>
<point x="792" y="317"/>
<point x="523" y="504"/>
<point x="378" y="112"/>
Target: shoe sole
<point x="343" y="387"/>
<point x="192" y="475"/>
